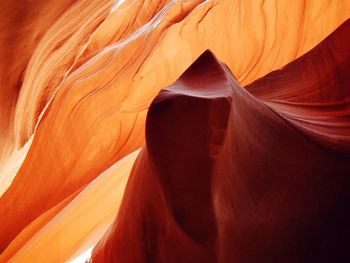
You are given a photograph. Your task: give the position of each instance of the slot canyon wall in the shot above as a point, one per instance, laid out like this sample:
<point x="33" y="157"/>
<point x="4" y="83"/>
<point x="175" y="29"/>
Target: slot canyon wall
<point x="237" y="154"/>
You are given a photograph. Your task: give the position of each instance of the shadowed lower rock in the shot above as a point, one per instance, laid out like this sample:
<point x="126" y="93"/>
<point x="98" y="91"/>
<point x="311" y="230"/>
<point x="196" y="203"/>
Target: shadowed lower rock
<point x="226" y="177"/>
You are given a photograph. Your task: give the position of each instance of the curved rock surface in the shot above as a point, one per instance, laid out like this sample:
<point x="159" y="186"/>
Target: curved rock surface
<point x="77" y="80"/>
<point x="235" y="175"/>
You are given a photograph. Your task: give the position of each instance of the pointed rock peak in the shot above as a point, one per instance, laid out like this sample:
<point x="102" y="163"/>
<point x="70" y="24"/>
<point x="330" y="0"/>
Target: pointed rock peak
<point x="205" y="78"/>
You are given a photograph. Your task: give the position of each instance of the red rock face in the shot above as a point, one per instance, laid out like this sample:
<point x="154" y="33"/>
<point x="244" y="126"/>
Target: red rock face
<point x="224" y="160"/>
<point x="243" y="175"/>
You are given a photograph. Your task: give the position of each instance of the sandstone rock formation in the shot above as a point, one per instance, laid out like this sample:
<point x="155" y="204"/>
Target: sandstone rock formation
<point x="235" y="175"/>
<point x="78" y="77"/>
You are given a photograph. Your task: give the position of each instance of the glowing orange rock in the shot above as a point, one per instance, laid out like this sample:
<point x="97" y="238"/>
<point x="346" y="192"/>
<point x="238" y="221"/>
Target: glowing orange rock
<point x="89" y="70"/>
<point x="76" y="223"/>
<point x="229" y="176"/>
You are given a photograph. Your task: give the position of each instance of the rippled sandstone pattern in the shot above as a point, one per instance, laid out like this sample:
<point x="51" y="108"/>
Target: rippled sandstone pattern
<point x="256" y="175"/>
<point x="78" y="77"/>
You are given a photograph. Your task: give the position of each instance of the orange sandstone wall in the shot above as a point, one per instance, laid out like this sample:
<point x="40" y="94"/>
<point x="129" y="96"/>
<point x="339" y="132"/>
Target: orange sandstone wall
<point x="78" y="77"/>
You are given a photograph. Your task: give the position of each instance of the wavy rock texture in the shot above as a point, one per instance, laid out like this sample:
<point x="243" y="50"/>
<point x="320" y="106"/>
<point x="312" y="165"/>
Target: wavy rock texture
<point x="79" y="77"/>
<point x="243" y="176"/>
<point x="75" y="223"/>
